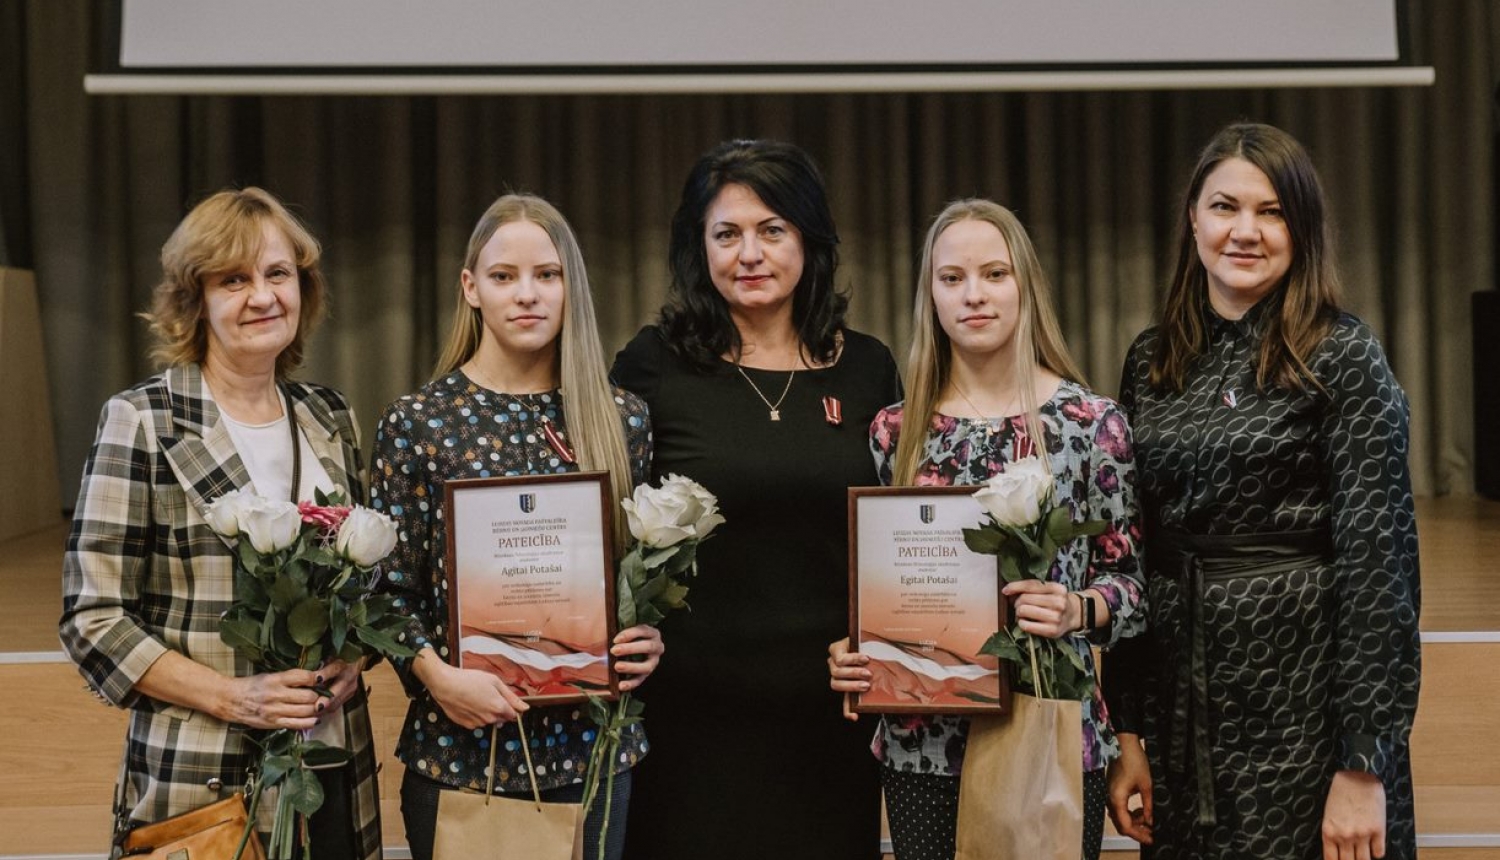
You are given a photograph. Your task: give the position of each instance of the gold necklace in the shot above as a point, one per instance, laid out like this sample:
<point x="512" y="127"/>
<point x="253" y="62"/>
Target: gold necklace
<point x="991" y="422"/>
<point x="774" y="407"/>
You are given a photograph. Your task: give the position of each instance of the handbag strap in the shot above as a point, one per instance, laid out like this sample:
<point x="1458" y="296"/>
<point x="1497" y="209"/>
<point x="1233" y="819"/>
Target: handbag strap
<point x="1043" y="691"/>
<point x="489" y="786"/>
<point x="122" y="815"/>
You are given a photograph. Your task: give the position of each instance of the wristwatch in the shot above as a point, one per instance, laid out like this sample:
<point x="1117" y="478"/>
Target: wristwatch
<point x="1086" y="604"/>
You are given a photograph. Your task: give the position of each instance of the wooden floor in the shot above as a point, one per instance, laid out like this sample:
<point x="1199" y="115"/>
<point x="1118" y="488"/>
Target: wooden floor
<point x="63" y="810"/>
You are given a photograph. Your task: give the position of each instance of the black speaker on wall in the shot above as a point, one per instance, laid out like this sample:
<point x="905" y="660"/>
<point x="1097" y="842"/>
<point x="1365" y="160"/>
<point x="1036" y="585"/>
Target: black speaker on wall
<point x="1486" y="308"/>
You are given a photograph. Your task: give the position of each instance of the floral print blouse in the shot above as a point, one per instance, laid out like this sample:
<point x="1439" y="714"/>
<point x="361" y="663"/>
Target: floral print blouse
<point x="1089" y="445"/>
<point x="455" y="428"/>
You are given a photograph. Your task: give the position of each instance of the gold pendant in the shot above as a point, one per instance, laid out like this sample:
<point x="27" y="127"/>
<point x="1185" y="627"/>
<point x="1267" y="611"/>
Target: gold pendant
<point x="775" y="414"/>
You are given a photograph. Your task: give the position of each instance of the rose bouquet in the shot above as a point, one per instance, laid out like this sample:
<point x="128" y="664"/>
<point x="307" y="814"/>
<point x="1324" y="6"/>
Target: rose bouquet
<point x="1025" y="532"/>
<point x="666" y="523"/>
<point x="303" y="595"/>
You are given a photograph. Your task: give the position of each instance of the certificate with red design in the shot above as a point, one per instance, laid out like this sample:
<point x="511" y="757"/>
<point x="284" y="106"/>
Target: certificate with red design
<point x="530" y="574"/>
<point x="922" y="604"/>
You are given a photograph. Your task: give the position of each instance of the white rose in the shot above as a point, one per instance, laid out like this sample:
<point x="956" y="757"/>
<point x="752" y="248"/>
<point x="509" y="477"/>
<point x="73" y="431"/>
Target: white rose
<point x="272" y="526"/>
<point x="1015" y="496"/>
<point x="708" y="517"/>
<point x="223" y="513"/>
<point x="366" y="536"/>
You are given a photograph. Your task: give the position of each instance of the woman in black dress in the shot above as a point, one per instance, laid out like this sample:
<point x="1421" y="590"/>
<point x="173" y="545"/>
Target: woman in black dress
<point x="1276" y="689"/>
<point x="759" y="392"/>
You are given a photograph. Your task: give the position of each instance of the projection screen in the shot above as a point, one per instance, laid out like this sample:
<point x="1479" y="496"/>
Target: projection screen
<point x="771" y="45"/>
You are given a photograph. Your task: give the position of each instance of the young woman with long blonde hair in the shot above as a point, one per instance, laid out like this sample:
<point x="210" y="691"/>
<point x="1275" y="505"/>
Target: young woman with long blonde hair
<point x="991" y="380"/>
<point x="520" y="389"/>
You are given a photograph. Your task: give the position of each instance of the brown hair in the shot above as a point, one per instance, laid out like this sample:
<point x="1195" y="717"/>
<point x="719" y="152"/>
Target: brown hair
<point x="222" y="234"/>
<point x="1303" y="307"/>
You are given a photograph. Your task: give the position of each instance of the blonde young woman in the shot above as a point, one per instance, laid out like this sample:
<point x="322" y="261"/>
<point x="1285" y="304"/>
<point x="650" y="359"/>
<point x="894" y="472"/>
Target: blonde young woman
<point x="989" y="375"/>
<point x="520" y="389"/>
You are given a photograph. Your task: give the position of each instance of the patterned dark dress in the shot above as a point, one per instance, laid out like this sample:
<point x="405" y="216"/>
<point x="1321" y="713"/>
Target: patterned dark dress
<point x="455" y="428"/>
<point x="1252" y="689"/>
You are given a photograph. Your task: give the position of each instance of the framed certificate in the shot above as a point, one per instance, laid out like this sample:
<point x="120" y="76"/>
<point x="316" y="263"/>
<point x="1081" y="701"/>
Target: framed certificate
<point x="530" y="573"/>
<point x="922" y="604"/>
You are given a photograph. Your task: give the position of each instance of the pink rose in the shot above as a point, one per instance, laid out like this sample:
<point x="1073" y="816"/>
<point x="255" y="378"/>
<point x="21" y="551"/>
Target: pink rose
<point x="325" y="517"/>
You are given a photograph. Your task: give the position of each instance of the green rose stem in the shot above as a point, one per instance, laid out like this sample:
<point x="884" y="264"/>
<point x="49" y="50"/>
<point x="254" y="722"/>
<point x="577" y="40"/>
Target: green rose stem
<point x="612" y="747"/>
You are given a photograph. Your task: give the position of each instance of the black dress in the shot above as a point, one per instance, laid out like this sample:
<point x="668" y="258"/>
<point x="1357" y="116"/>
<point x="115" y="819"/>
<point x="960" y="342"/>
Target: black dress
<point x="751" y="757"/>
<point x="1262" y="675"/>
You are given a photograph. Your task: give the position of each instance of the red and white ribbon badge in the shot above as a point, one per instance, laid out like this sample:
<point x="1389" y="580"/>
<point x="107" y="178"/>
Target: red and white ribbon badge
<point x="833" y="411"/>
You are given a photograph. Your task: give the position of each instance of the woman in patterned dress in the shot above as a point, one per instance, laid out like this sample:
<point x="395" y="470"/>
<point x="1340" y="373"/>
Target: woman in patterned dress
<point x="1276" y="689"/>
<point x="520" y="390"/>
<point x="989" y="371"/>
<point x="145" y="578"/>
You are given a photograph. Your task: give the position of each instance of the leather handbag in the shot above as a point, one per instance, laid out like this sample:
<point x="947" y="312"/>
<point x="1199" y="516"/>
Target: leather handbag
<point x="211" y="832"/>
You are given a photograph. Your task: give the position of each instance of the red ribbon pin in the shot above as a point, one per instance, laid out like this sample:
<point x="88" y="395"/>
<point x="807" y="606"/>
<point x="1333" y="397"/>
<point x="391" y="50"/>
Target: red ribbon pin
<point x="833" y="411"/>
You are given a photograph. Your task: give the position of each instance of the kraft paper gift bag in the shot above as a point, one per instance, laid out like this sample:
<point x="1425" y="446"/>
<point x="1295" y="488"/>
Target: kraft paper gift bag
<point x="1020" y="795"/>
<point x="472" y="825"/>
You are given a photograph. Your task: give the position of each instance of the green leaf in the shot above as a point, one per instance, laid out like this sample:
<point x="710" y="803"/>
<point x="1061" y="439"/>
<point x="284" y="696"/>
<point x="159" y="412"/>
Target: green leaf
<point x="675" y="596"/>
<point x="1090" y="528"/>
<point x="599" y="711"/>
<point x="248" y="590"/>
<point x="652" y="588"/>
<point x="338" y="623"/>
<point x="648" y="614"/>
<point x="1059" y="525"/>
<point x="319" y="754"/>
<point x="684" y="560"/>
<point x="1010" y="570"/>
<point x="322" y="556"/>
<point x="312" y="657"/>
<point x="274" y="767"/>
<point x="383" y="642"/>
<point x="287" y="592"/>
<point x="359" y="614"/>
<point x="248" y="558"/>
<point x="267" y="627"/>
<point x="243" y="635"/>
<point x="983" y="540"/>
<point x="1029" y="546"/>
<point x="630" y="562"/>
<point x="308" y="621"/>
<point x="1001" y="645"/>
<point x="624" y="600"/>
<point x="658" y="558"/>
<point x="303" y="791"/>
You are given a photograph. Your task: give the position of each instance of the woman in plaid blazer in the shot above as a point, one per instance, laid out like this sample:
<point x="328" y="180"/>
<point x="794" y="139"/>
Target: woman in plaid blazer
<point x="145" y="579"/>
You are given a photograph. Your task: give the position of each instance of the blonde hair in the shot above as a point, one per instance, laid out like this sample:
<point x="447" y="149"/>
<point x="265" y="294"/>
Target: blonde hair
<point x="224" y="234"/>
<point x="1038" y="339"/>
<point x="598" y="436"/>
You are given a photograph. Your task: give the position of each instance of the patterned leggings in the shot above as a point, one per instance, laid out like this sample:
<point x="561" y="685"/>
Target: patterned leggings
<point x="923" y="813"/>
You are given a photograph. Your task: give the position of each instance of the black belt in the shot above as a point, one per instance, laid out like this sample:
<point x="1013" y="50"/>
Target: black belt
<point x="1194" y="560"/>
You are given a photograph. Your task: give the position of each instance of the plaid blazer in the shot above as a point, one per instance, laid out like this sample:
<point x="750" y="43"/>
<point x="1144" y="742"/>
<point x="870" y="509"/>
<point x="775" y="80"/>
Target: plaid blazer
<point x="143" y="572"/>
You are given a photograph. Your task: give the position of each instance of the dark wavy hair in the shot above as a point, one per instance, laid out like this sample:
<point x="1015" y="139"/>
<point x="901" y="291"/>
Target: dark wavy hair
<point x="1302" y="309"/>
<point x="696" y="318"/>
